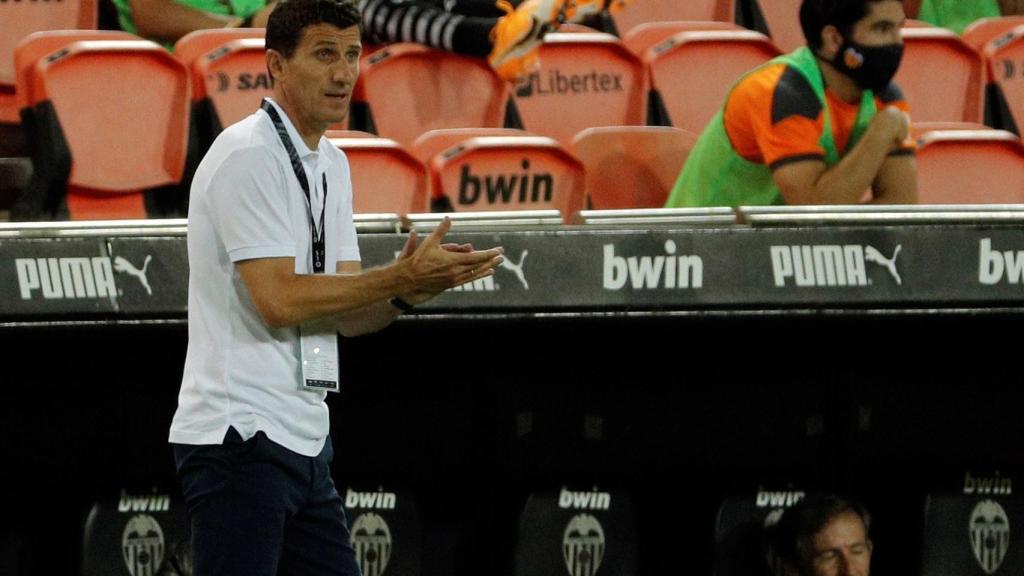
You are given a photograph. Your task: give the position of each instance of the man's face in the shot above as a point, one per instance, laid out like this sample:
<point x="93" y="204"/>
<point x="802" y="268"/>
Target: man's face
<point x="319" y="77"/>
<point x="881" y="25"/>
<point x="841" y="548"/>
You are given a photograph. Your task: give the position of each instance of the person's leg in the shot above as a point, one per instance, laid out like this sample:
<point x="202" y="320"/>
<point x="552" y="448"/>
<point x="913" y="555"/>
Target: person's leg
<point x="426" y="23"/>
<point x="238" y="500"/>
<point x="509" y="42"/>
<point x="316" y="539"/>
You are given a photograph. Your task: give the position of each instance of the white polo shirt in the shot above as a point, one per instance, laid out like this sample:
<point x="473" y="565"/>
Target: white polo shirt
<point x="246" y="203"/>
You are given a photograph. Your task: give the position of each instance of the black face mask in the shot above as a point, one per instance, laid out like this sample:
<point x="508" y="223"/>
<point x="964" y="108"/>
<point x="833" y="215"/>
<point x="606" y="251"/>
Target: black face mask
<point x="872" y="67"/>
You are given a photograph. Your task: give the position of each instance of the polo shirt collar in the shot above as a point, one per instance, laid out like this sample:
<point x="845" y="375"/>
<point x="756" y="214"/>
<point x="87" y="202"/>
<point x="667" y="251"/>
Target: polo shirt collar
<point x="293" y="133"/>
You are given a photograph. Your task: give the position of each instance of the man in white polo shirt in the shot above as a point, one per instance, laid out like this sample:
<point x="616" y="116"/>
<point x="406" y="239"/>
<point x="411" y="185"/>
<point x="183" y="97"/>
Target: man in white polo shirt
<point x="274" y="275"/>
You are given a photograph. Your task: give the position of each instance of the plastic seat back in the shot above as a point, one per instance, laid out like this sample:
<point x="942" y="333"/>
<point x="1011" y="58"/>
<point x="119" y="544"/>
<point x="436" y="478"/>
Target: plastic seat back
<point x="582" y="533"/>
<point x="430" y="144"/>
<point x="1004" y="61"/>
<point x="410" y="89"/>
<point x="510" y="173"/>
<point x="782" y="18"/>
<point x="199" y="42"/>
<point x="138" y="534"/>
<point x="386" y="531"/>
<point x="742" y="545"/>
<point x="642" y="12"/>
<point x="984" y="30"/>
<point x="649" y="34"/>
<point x="970" y="167"/>
<point x="631" y="166"/>
<point x="972" y="535"/>
<point x="385" y="177"/>
<point x="961" y="83"/>
<point x="19" y="19"/>
<point x="693" y="72"/>
<point x="133" y="93"/>
<point x="234" y="78"/>
<point x="584" y="80"/>
<point x="40" y="44"/>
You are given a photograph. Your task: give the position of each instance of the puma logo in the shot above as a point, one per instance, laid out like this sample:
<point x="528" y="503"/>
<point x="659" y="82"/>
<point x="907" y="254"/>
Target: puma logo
<point x="517" y="269"/>
<point x="871" y="254"/>
<point x="126" y="267"/>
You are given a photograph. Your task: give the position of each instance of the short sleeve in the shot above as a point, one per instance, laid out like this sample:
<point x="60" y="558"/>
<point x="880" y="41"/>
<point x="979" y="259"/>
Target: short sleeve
<point x="773" y="117"/>
<point x="348" y="249"/>
<point x="251" y="210"/>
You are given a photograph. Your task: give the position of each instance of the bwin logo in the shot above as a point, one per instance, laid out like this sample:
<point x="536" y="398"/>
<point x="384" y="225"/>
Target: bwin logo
<point x="593" y="500"/>
<point x="766" y="499"/>
<point x="145" y="503"/>
<point x="371" y="539"/>
<point x="994" y="265"/>
<point x="652" y="272"/>
<point x="506" y="188"/>
<point x="829" y="265"/>
<point x="142" y="545"/>
<point x="989" y="531"/>
<point x="583" y="545"/>
<point x="370" y="500"/>
<point x="125" y="267"/>
<point x="997" y="486"/>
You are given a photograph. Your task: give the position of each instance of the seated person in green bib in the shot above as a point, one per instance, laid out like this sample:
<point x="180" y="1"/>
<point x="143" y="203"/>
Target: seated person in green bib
<point x="821" y="125"/>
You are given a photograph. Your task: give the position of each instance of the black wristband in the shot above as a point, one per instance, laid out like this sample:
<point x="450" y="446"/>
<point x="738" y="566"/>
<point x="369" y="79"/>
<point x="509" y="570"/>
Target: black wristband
<point x="402" y="305"/>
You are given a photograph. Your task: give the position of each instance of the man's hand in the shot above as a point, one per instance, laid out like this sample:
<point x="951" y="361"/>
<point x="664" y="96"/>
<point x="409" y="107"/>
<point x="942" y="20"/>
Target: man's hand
<point x="435" y="267"/>
<point x="894" y="123"/>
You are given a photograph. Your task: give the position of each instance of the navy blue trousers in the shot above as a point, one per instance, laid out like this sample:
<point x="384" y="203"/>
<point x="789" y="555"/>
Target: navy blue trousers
<point x="259" y="509"/>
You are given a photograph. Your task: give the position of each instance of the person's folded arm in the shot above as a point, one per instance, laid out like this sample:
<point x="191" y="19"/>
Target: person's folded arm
<point x="811" y="182"/>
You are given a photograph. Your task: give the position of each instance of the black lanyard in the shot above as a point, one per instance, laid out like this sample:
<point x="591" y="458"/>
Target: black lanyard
<point x="317" y="237"/>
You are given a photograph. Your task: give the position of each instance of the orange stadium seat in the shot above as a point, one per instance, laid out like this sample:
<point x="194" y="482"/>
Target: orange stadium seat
<point x="18" y="20"/>
<point x="409" y="89"/>
<point x="631" y="166"/>
<point x="510" y="173"/>
<point x="918" y="129"/>
<point x="643" y="11"/>
<point x="644" y="36"/>
<point x="434" y="142"/>
<point x="109" y="121"/>
<point x="37" y="45"/>
<point x="231" y="80"/>
<point x="196" y="43"/>
<point x="692" y="72"/>
<point x="955" y="94"/>
<point x="782" y="18"/>
<point x="984" y="30"/>
<point x="385" y="177"/>
<point x="970" y="167"/>
<point x="584" y="80"/>
<point x="1004" y="61"/>
<point x="431" y="143"/>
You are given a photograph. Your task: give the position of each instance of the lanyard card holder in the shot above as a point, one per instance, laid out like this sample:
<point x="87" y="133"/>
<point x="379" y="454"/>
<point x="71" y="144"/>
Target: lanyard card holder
<point x="319" y="342"/>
